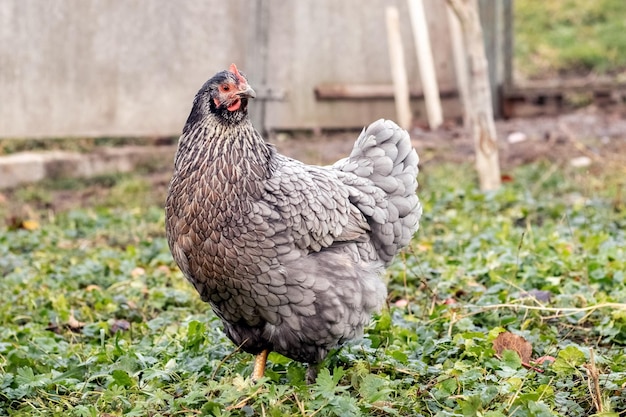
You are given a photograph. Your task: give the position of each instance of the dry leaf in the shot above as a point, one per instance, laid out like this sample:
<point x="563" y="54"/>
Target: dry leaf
<point x="120" y="325"/>
<point x="518" y="344"/>
<point x="53" y="327"/>
<point x="402" y="302"/>
<point x="164" y="269"/>
<point x="30" y="224"/>
<point x="424" y="247"/>
<point x="18" y="222"/>
<point x="74" y="324"/>
<point x="137" y="272"/>
<point x="547" y="358"/>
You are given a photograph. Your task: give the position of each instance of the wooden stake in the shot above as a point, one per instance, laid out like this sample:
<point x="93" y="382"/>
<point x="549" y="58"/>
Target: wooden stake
<point x="460" y="62"/>
<point x="425" y="63"/>
<point x="480" y="115"/>
<point x="398" y="69"/>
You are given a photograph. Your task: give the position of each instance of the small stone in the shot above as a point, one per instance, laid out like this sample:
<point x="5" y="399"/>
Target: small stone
<point x="580" y="162"/>
<point x="137" y="272"/>
<point x="516" y="137"/>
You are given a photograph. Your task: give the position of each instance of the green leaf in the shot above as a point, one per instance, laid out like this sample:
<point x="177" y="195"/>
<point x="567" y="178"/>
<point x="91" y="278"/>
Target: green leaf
<point x="511" y="359"/>
<point x="122" y="379"/>
<point x="494" y="414"/>
<point x="326" y="384"/>
<point x="195" y="334"/>
<point x="374" y="388"/>
<point x="568" y="360"/>
<point x="539" y="409"/>
<point x="212" y="408"/>
<point x="446" y="388"/>
<point x="471" y="406"/>
<point x="400" y="356"/>
<point x="28" y="378"/>
<point x="345" y="406"/>
<point x="278" y="359"/>
<point x="85" y="411"/>
<point x="384" y="321"/>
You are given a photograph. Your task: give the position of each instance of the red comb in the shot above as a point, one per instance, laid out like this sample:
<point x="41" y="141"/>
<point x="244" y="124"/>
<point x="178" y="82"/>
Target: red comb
<point x="234" y="70"/>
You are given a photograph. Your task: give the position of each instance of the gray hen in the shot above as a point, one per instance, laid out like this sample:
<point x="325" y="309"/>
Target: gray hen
<point x="290" y="256"/>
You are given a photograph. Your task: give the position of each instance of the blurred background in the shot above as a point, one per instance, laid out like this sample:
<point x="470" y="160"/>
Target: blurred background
<point x="76" y="75"/>
<point x="75" y="68"/>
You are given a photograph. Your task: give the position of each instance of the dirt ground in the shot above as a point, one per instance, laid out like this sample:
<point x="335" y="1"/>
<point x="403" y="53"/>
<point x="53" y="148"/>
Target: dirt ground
<point x="592" y="132"/>
<point x="592" y="137"/>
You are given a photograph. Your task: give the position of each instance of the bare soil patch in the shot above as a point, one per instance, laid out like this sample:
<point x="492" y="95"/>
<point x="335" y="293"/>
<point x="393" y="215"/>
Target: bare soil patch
<point x="591" y="135"/>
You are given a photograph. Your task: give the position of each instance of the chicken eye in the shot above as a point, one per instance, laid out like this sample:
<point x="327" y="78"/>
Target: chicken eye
<point x="226" y="87"/>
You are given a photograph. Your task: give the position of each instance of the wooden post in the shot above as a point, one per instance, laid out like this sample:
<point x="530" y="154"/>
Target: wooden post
<point x="480" y="113"/>
<point x="425" y="63"/>
<point x="259" y="37"/>
<point x="460" y="62"/>
<point x="398" y="69"/>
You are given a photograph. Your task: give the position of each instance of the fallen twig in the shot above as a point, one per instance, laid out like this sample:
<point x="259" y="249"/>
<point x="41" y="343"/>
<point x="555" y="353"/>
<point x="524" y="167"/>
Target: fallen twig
<point x="227" y="357"/>
<point x="594" y="382"/>
<point x="568" y="310"/>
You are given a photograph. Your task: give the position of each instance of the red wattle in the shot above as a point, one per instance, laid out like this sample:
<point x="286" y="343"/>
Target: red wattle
<point x="234" y="106"/>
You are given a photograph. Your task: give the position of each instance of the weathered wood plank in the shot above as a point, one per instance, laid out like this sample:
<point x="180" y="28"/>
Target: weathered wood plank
<point x="369" y="91"/>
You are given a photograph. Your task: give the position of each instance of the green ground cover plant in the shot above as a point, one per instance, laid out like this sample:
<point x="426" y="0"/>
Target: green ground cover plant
<point x="96" y="320"/>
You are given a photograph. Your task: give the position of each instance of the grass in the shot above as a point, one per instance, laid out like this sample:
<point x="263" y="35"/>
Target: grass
<point x="569" y="37"/>
<point x="96" y="320"/>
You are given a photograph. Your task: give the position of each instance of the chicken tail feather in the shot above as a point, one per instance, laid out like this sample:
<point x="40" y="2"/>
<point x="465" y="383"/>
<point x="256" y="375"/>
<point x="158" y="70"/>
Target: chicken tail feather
<point x="383" y="185"/>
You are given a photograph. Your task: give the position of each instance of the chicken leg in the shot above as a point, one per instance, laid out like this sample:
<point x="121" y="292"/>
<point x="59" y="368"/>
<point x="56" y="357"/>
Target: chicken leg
<point x="259" y="365"/>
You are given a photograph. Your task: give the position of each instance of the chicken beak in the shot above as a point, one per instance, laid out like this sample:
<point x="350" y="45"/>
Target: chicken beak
<point x="247" y="92"/>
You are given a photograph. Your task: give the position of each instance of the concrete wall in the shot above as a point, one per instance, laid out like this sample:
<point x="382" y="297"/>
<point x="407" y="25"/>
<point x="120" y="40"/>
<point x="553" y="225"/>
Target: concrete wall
<point x="76" y="67"/>
<point x="132" y="67"/>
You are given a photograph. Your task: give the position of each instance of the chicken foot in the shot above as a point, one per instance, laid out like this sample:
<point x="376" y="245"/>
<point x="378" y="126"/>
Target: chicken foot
<point x="311" y="373"/>
<point x="259" y="365"/>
